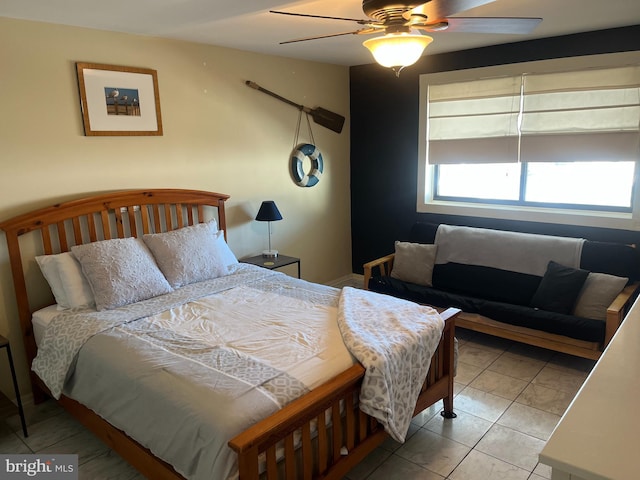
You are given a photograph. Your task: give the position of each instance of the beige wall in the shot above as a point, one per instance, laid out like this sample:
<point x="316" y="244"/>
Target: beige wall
<point x="219" y="135"/>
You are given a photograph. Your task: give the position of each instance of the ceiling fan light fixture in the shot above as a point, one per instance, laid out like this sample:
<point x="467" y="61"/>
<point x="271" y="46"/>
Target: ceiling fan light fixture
<point x="397" y="50"/>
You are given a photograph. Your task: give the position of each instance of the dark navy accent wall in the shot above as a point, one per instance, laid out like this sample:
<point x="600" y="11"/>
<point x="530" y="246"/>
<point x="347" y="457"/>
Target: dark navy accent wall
<point x="384" y="141"/>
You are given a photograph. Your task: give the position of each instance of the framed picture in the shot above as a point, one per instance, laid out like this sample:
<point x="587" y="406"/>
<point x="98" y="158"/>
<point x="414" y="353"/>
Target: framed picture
<point x="119" y="100"/>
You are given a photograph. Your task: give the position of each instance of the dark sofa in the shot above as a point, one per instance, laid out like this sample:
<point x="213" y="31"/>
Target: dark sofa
<point x="499" y="302"/>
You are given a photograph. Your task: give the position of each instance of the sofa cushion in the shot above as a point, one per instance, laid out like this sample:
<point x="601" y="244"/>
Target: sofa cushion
<point x="486" y="282"/>
<point x="413" y="262"/>
<point x="598" y="292"/>
<point x="421" y="294"/>
<point x="521" y="315"/>
<point x="559" y="288"/>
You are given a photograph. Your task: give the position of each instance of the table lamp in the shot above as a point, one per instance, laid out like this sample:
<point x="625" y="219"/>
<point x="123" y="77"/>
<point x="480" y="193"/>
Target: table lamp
<point x="269" y="213"/>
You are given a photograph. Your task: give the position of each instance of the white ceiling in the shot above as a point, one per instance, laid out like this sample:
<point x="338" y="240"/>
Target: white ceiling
<point x="247" y="24"/>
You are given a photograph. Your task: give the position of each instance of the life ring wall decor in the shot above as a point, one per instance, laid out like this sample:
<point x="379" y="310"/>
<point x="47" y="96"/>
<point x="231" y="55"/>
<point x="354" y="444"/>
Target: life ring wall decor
<point x="297" y="171"/>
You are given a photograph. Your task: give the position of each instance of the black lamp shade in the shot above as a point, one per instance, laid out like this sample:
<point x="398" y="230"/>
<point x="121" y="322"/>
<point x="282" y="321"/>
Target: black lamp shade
<point x="268" y="212"/>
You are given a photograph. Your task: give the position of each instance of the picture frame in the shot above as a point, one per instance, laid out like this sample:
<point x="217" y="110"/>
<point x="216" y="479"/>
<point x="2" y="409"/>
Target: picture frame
<point x="119" y="101"/>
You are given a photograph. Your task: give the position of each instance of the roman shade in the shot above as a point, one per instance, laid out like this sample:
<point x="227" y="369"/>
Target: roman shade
<point x="474" y="122"/>
<point x="588" y="115"/>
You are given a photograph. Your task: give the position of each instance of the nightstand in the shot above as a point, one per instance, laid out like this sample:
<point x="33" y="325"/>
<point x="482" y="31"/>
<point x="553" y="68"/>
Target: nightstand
<point x="272" y="263"/>
<point x="4" y="343"/>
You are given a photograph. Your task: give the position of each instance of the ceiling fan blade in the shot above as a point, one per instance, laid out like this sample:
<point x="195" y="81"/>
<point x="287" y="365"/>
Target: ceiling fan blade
<point x="515" y="25"/>
<point x="357" y="32"/>
<point x="439" y="9"/>
<point x="357" y="20"/>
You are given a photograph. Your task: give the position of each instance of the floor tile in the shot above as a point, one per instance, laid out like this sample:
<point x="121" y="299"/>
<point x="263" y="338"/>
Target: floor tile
<point x="511" y="446"/>
<point x="367" y="466"/>
<point x="481" y="404"/>
<point x="491" y="342"/>
<point x="391" y="445"/>
<point x="466" y="428"/>
<point x="572" y="364"/>
<point x="479" y="466"/>
<point x="534" y="476"/>
<point x="530" y="351"/>
<point x="109" y="466"/>
<point x="433" y="452"/>
<point x="397" y="468"/>
<point x="547" y="399"/>
<point x="466" y="373"/>
<point x="542" y="470"/>
<point x="34" y="414"/>
<point x="529" y="420"/>
<point x="559" y="380"/>
<point x="11" y="443"/>
<point x="517" y="366"/>
<point x="86" y="445"/>
<point x="499" y="384"/>
<point x="427" y="414"/>
<point x="475" y="355"/>
<point x="52" y="430"/>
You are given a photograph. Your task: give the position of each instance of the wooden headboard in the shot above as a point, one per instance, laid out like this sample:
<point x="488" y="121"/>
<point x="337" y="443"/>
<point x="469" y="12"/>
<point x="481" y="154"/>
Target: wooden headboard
<point x="129" y="213"/>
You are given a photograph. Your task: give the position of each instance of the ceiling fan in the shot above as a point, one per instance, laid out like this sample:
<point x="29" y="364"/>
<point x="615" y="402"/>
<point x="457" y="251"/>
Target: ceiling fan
<point x="397" y="19"/>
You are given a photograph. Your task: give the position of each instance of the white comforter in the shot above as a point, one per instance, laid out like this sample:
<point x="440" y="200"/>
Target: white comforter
<point x="213" y="358"/>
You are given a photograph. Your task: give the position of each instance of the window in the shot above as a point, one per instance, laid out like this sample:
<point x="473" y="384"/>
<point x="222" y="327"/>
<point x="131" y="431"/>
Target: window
<point x="556" y="144"/>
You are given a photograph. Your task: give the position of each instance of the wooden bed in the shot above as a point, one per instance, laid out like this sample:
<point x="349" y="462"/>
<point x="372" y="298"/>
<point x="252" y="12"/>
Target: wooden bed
<point x="136" y="212"/>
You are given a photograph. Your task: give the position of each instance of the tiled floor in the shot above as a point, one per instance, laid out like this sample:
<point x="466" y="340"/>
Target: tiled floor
<point x="509" y="398"/>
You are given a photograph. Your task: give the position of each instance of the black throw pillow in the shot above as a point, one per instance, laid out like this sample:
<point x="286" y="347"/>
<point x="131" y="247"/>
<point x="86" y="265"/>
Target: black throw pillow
<point x="559" y="288"/>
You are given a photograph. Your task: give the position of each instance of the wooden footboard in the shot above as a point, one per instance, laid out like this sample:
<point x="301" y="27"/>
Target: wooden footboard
<point x="324" y="452"/>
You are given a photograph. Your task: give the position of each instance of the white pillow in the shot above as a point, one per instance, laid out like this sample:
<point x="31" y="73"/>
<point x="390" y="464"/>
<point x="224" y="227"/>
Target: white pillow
<point x="49" y="270"/>
<point x="187" y="255"/>
<point x="68" y="284"/>
<point x="598" y="292"/>
<point x="227" y="256"/>
<point x="120" y="271"/>
<point x="414" y="262"/>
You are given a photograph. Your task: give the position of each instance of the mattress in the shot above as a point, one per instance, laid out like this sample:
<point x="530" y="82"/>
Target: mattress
<point x="41" y="319"/>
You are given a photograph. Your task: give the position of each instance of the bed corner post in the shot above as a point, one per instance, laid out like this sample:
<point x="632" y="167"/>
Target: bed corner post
<point x="24" y="312"/>
<point x="449" y="359"/>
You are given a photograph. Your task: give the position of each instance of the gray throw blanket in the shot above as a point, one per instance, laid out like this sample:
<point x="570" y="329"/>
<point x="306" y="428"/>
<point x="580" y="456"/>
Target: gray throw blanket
<point x="516" y="252"/>
<point x="394" y="340"/>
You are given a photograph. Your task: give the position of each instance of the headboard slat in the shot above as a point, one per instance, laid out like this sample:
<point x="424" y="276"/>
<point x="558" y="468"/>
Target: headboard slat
<point x="133" y="225"/>
<point x="104" y="219"/>
<point x="156" y="218"/>
<point x="179" y="214"/>
<point x="119" y="224"/>
<point x="91" y="223"/>
<point x="167" y="217"/>
<point x="144" y="213"/>
<point x="190" y="209"/>
<point x="62" y="236"/>
<point x="77" y="230"/>
<point x="46" y="240"/>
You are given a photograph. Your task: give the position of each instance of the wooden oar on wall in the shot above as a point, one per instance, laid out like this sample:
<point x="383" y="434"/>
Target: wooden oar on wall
<point x="323" y="117"/>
